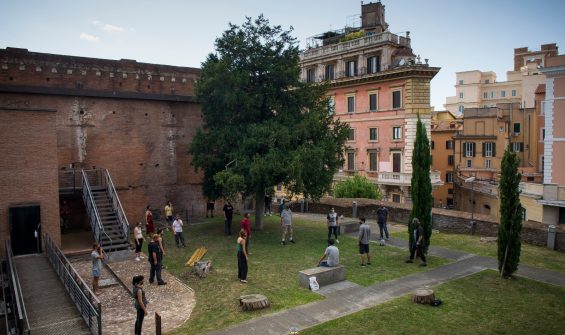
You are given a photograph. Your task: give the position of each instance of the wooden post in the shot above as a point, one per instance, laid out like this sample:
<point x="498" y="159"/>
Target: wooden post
<point x="157" y="323"/>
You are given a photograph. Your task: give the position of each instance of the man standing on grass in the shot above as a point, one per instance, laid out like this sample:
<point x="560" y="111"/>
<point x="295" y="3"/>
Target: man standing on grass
<point x="286" y="224"/>
<point x="382" y="215"/>
<point x="364" y="237"/>
<point x="228" y="216"/>
<point x="177" y="229"/>
<point x="333" y="222"/>
<point x="417" y="246"/>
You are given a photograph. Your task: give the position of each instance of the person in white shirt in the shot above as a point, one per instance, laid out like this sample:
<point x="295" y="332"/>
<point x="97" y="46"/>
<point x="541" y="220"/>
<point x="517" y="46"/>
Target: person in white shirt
<point x="177" y="228"/>
<point x="138" y="234"/>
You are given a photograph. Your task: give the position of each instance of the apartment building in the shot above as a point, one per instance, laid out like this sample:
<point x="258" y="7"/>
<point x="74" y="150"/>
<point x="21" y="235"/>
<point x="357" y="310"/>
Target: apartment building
<point x="444" y="126"/>
<point x="378" y="86"/>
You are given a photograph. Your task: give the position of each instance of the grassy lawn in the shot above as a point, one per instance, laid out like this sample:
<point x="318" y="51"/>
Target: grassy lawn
<point x="273" y="269"/>
<point x="479" y="304"/>
<point x="531" y="255"/>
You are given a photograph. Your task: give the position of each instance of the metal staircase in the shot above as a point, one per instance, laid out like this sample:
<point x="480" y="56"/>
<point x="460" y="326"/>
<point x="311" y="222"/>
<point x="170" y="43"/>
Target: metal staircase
<point x="106" y="215"/>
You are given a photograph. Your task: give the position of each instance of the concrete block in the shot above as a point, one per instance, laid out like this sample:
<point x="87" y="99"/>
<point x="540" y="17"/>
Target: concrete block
<point x="324" y="275"/>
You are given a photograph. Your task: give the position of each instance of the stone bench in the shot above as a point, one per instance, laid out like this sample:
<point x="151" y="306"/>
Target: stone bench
<point x="324" y="275"/>
<point x="349" y="226"/>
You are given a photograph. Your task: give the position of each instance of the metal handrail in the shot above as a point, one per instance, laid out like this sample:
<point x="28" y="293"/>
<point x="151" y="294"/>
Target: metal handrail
<point x="92" y="211"/>
<point x="86" y="302"/>
<point x="117" y="205"/>
<point x="21" y="317"/>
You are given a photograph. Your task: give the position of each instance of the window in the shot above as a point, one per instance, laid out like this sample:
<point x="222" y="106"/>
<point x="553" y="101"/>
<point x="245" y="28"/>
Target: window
<point x="449" y="191"/>
<point x="461" y="82"/>
<point x="311" y="75"/>
<point x="351" y="104"/>
<point x="351" y="68"/>
<point x="489" y="149"/>
<point x="351" y="161"/>
<point x="460" y="95"/>
<point x="450" y="160"/>
<point x="469" y="149"/>
<point x="461" y="109"/>
<point x="488" y="164"/>
<point x="396" y="99"/>
<point x="449" y="177"/>
<point x="329" y="72"/>
<point x="396" y="197"/>
<point x="373" y="102"/>
<point x="331" y="105"/>
<point x="518" y="146"/>
<point x="449" y="144"/>
<point x="469" y="163"/>
<point x="396" y="133"/>
<point x="485" y="95"/>
<point x="373" y="134"/>
<point x="432" y="144"/>
<point x="517" y="127"/>
<point x="373" y="64"/>
<point x="493" y="94"/>
<point x="351" y="136"/>
<point x="513" y="93"/>
<point x="372" y="160"/>
<point x="487" y="81"/>
<point x="503" y="94"/>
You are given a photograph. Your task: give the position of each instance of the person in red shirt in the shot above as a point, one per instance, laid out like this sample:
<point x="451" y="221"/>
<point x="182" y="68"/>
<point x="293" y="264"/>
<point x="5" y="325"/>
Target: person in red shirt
<point x="246" y="225"/>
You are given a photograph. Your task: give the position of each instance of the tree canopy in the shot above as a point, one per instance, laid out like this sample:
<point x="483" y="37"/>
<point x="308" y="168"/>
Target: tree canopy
<point x="357" y="187"/>
<point x="421" y="185"/>
<point x="261" y="124"/>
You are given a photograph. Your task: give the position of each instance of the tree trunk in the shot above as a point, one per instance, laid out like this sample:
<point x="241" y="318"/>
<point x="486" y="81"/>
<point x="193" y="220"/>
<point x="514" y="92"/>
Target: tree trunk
<point x="423" y="296"/>
<point x="259" y="209"/>
<point x="252" y="302"/>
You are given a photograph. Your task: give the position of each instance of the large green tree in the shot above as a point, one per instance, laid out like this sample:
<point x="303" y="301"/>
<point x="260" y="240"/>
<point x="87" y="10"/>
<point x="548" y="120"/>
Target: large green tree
<point x="421" y="185"/>
<point x="510" y="226"/>
<point x="261" y="124"/>
<point x="357" y="187"/>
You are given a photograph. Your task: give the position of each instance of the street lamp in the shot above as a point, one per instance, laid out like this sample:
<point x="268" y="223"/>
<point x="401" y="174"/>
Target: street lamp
<point x="472" y="181"/>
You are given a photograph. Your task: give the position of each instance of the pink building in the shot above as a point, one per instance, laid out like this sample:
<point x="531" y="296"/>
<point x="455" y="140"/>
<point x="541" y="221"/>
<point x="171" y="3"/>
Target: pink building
<point x="378" y="86"/>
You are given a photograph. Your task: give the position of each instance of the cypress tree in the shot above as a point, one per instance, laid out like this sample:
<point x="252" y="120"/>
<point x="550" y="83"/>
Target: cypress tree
<point x="421" y="185"/>
<point x="510" y="226"/>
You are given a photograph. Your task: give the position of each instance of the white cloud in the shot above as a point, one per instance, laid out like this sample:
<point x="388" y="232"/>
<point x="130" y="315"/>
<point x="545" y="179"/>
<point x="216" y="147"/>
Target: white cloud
<point x="112" y="29"/>
<point x="88" y="37"/>
<point x="96" y="22"/>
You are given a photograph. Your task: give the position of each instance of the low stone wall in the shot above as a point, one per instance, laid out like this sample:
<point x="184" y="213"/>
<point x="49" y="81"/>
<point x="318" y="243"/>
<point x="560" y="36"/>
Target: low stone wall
<point x="444" y="220"/>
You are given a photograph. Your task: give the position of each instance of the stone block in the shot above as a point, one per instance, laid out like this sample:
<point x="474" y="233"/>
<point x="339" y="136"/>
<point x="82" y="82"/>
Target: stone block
<point x="324" y="275"/>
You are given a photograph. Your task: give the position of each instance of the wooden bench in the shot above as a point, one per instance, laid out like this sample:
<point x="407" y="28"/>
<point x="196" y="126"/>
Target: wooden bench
<point x="324" y="275"/>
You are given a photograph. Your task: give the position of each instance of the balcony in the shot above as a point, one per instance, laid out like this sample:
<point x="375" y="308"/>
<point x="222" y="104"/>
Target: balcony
<point x="404" y="179"/>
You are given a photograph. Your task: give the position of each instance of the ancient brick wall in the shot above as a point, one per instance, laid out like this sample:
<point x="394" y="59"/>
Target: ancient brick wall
<point x="28" y="168"/>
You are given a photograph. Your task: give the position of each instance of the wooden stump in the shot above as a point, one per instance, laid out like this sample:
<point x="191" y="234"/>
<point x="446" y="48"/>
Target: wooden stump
<point x="423" y="296"/>
<point x="252" y="302"/>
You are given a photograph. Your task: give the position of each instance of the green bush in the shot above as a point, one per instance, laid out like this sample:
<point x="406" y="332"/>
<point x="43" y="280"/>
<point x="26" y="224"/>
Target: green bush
<point x="357" y="187"/>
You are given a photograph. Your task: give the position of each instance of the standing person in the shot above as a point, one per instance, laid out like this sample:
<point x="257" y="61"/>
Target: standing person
<point x="161" y="244"/>
<point x="268" y="204"/>
<point x="417" y="246"/>
<point x="169" y="214"/>
<point x="382" y="215"/>
<point x="210" y="207"/>
<point x="140" y="303"/>
<point x="138" y="235"/>
<point x="333" y="222"/>
<point x="97" y="256"/>
<point x="242" y="256"/>
<point x="364" y="237"/>
<point x="228" y="216"/>
<point x="177" y="228"/>
<point x="155" y="260"/>
<point x="149" y="225"/>
<point x="281" y="206"/>
<point x="246" y="225"/>
<point x="331" y="255"/>
<point x="286" y="225"/>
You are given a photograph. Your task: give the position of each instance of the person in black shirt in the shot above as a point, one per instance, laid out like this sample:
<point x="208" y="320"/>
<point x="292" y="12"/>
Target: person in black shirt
<point x="156" y="260"/>
<point x="228" y="215"/>
<point x="417" y="246"/>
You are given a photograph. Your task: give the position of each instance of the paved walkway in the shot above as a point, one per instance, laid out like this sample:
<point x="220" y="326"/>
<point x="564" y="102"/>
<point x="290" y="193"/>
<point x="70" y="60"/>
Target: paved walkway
<point x="346" y="298"/>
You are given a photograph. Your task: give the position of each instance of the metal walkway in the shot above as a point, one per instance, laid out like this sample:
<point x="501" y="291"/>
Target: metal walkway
<point x="50" y="309"/>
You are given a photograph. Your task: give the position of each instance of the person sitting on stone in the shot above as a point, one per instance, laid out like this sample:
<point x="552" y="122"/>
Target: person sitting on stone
<point x="330" y="258"/>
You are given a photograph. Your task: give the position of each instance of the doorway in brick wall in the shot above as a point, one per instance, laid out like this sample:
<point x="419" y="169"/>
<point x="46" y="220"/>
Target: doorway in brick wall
<point x="25" y="229"/>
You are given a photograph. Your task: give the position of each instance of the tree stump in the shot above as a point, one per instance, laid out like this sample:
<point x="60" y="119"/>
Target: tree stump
<point x="252" y="302"/>
<point x="423" y="296"/>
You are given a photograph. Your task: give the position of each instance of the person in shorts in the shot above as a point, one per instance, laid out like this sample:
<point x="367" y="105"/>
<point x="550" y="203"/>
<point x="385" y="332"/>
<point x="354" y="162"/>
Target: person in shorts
<point x="97" y="256"/>
<point x="364" y="238"/>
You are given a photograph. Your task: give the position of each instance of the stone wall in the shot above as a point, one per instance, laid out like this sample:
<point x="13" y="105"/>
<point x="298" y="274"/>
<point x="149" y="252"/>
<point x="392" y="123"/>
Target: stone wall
<point x="444" y="220"/>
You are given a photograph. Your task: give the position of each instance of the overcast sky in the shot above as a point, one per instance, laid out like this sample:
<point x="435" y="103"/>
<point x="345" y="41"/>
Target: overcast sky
<point x="454" y="35"/>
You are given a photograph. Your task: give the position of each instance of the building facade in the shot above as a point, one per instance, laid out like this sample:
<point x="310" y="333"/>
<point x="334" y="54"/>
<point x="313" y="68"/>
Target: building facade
<point x="378" y="86"/>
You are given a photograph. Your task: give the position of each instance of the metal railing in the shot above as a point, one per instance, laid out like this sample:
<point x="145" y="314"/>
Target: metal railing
<point x="20" y="313"/>
<point x="86" y="302"/>
<point x="117" y="205"/>
<point x="92" y="212"/>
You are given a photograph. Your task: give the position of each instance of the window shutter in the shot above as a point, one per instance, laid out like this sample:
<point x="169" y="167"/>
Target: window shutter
<point x="473" y="148"/>
<point x="494" y="149"/>
<point x="484" y="149"/>
<point x="521" y="146"/>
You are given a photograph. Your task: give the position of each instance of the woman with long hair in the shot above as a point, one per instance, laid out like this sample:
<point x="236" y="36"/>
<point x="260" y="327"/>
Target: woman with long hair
<point x="150" y="226"/>
<point x="242" y="257"/>
<point x="138" y="236"/>
<point x="140" y="303"/>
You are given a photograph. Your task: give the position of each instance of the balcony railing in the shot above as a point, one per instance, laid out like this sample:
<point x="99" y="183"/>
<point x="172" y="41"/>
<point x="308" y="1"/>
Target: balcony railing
<point x="388" y="178"/>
